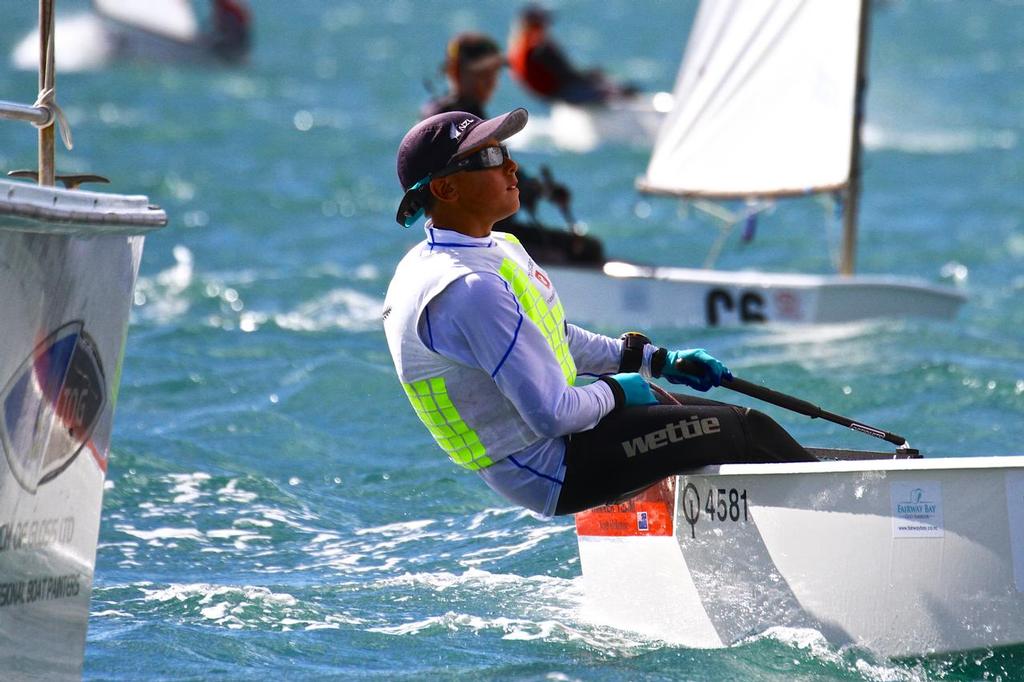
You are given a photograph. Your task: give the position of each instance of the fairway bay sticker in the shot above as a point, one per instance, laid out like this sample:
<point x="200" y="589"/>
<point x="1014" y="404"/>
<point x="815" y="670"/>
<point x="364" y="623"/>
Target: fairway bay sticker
<point x="1015" y="512"/>
<point x="916" y="509"/>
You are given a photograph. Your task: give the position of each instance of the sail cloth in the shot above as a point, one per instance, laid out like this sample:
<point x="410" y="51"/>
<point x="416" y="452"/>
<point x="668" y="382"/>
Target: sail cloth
<point x="764" y="101"/>
<point x="172" y="19"/>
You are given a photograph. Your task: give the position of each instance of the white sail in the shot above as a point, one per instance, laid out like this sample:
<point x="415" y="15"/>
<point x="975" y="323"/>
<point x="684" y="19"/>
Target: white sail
<point x="174" y="19"/>
<point x="764" y="101"/>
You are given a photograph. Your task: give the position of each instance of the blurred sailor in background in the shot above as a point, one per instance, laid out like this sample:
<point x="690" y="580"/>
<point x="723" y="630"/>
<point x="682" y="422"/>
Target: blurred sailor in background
<point x="541" y="66"/>
<point x="472" y="67"/>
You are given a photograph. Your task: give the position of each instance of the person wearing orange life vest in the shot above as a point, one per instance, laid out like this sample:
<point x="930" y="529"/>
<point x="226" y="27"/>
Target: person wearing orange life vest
<point x="541" y="66"/>
<point x="231" y="35"/>
<point x="488" y="360"/>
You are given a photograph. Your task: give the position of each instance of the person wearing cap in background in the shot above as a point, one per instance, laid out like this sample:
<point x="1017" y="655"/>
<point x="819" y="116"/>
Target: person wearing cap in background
<point x="542" y="67"/>
<point x="487" y="358"/>
<point x="472" y="65"/>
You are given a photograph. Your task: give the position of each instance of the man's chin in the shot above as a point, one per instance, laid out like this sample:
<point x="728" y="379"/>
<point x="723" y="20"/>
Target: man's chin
<point x="514" y="209"/>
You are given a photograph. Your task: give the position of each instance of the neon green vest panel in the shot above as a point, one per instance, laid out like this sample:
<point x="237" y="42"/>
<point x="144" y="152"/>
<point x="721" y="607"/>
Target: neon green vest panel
<point x="550" y="319"/>
<point x="462" y="408"/>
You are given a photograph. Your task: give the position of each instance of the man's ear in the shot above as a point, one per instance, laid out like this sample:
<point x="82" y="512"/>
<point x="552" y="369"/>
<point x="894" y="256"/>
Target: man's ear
<point x="444" y="189"/>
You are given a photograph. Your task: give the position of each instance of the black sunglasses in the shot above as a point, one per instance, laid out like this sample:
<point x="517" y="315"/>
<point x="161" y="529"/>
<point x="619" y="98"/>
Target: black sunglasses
<point x="482" y="159"/>
<point x="415" y="199"/>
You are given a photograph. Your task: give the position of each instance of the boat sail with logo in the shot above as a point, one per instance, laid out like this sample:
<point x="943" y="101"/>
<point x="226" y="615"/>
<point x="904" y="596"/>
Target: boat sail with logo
<point x="69" y="259"/>
<point x="768" y="105"/>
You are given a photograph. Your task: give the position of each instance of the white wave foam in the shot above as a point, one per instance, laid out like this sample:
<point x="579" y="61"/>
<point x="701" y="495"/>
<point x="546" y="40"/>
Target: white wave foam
<point x="157" y="534"/>
<point x="482" y="517"/>
<point x="534" y="537"/>
<point x="162" y="298"/>
<point x="339" y="309"/>
<point x="231" y="493"/>
<point x="938" y="141"/>
<point x="245" y="606"/>
<point x="109" y="612"/>
<point x="394" y="529"/>
<point x="555" y="627"/>
<point x="187" y="486"/>
<point x="815" y="644"/>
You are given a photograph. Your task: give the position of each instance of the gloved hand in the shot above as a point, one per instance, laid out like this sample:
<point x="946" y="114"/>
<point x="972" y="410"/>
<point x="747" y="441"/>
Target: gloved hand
<point x="630" y="389"/>
<point x="694" y="367"/>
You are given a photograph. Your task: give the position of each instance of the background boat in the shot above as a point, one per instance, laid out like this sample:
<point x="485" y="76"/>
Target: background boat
<point x="767" y="107"/>
<point x="69" y="259"/>
<point x="632" y="121"/>
<point x="139" y="30"/>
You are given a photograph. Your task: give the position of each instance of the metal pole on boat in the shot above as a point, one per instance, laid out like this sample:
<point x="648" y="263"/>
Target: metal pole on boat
<point x="25" y="112"/>
<point x="46" y="82"/>
<point x="848" y="257"/>
<point x="796" y="405"/>
<point x="811" y="410"/>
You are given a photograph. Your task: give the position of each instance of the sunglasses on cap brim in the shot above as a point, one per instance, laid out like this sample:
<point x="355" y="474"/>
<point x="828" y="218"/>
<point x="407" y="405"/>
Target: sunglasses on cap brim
<point x="414" y="203"/>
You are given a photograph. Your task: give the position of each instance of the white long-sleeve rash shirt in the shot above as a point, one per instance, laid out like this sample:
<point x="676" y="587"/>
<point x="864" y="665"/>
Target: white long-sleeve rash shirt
<point x="477" y="321"/>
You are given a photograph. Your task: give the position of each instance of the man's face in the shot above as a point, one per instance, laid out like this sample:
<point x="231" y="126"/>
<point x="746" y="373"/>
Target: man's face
<point x="478" y="83"/>
<point x="490" y="194"/>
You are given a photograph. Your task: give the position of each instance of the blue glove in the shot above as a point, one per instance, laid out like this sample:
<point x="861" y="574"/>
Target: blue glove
<point x="694" y="367"/>
<point x="630" y="389"/>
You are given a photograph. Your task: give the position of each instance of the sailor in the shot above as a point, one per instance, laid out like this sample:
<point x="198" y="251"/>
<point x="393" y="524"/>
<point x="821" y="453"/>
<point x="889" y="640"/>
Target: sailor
<point x="543" y="69"/>
<point x="230" y="36"/>
<point x="486" y="356"/>
<point x="472" y="65"/>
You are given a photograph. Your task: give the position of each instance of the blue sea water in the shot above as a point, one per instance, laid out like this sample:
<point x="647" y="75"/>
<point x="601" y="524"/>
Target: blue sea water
<point x="274" y="508"/>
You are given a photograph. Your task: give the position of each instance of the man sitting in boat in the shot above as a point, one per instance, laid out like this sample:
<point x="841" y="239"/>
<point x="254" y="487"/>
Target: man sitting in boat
<point x="472" y="65"/>
<point x="543" y="69"/>
<point x="484" y="352"/>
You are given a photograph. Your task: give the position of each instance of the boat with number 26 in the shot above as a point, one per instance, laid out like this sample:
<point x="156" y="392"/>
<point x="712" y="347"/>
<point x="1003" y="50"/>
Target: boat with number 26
<point x="768" y="105"/>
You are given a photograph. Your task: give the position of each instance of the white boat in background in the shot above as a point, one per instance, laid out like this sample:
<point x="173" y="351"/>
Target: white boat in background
<point x="767" y="106"/>
<point x="68" y="264"/>
<point x="171" y="19"/>
<point x="155" y="30"/>
<point x="903" y="557"/>
<point x="632" y="121"/>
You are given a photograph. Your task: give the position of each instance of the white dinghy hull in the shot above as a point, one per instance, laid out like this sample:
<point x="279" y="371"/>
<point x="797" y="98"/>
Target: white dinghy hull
<point x="631" y="121"/>
<point x="68" y="265"/>
<point x="623" y="296"/>
<point x="901" y="557"/>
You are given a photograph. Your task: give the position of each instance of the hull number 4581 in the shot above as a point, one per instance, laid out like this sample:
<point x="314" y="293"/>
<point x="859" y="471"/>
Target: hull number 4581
<point x="717" y="505"/>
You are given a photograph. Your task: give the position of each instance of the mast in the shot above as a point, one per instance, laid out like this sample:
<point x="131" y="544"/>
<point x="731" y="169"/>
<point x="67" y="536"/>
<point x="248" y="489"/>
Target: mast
<point x="46" y="82"/>
<point x="848" y="257"/>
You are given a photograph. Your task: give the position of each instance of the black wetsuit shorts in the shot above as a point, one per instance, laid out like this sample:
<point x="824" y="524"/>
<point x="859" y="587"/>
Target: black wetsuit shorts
<point x="635" y="447"/>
